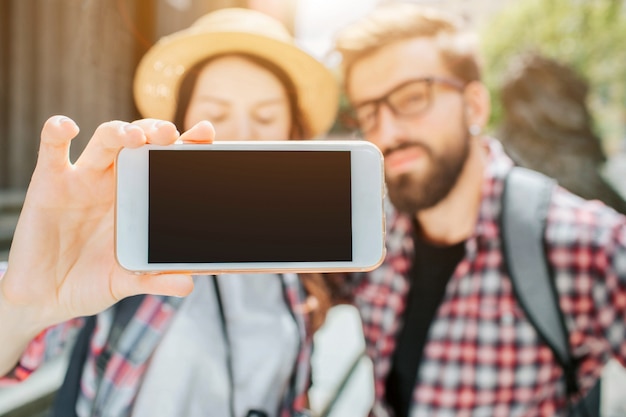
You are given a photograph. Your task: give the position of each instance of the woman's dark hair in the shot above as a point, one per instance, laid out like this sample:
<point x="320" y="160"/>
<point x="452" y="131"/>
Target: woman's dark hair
<point x="299" y="127"/>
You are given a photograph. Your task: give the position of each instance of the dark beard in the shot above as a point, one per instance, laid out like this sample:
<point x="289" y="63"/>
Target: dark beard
<point x="410" y="193"/>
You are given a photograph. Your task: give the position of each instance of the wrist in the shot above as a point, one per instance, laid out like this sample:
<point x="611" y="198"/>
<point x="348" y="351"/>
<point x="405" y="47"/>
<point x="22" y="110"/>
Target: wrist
<point x="18" y="318"/>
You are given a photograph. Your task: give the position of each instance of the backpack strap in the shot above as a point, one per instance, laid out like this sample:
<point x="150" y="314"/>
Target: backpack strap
<point x="67" y="395"/>
<point x="526" y="201"/>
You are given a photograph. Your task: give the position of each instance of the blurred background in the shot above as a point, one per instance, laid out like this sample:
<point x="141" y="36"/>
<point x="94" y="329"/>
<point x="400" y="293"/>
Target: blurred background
<point x="556" y="70"/>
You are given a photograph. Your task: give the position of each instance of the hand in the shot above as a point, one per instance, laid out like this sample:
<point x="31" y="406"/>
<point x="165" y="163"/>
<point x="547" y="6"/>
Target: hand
<point x="62" y="263"/>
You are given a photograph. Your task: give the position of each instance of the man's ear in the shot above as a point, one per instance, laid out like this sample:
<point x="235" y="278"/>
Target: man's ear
<point x="477" y="104"/>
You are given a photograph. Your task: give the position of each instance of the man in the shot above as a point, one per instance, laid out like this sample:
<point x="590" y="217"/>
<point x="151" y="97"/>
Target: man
<point x="443" y="327"/>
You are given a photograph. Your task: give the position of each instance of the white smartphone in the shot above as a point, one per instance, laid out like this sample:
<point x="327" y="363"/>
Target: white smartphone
<point x="279" y="206"/>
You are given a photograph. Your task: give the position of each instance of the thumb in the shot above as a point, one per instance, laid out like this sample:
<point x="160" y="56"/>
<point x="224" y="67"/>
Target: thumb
<point x="176" y="285"/>
<point x="54" y="147"/>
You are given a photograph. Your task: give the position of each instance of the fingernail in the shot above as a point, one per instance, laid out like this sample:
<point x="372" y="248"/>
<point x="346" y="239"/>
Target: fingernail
<point x="131" y="128"/>
<point x="205" y="122"/>
<point x="160" y="123"/>
<point x="64" y="119"/>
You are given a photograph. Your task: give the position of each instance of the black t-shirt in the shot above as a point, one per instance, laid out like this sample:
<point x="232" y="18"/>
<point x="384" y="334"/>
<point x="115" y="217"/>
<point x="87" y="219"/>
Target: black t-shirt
<point x="431" y="271"/>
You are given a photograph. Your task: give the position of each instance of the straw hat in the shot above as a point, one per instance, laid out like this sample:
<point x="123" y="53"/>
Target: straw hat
<point x="234" y="30"/>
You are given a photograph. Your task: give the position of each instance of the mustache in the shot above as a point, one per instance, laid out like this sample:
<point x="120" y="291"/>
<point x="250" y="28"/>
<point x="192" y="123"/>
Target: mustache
<point x="407" y="145"/>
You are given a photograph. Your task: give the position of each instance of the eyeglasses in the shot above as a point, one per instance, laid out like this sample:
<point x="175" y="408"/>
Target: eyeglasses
<point x="408" y="99"/>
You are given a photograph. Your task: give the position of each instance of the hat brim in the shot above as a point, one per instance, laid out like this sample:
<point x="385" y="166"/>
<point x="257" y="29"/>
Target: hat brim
<point x="160" y="71"/>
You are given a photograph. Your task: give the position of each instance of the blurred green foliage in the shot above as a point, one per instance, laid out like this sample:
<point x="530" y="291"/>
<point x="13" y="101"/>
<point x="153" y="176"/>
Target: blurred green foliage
<point x="589" y="35"/>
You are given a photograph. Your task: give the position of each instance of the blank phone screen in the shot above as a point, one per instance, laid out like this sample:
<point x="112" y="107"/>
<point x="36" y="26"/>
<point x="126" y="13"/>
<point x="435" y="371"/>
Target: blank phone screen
<point x="225" y="206"/>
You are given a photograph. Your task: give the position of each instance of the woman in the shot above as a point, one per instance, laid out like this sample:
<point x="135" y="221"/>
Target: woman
<point x="238" y="345"/>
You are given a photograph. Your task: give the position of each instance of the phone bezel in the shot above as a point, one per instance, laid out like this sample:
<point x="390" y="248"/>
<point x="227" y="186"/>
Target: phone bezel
<point x="368" y="221"/>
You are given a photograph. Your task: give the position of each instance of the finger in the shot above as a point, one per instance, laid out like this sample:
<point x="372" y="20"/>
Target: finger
<point x="201" y="132"/>
<point x="159" y="132"/>
<point x="54" y="148"/>
<point x="106" y="142"/>
<point x="162" y="284"/>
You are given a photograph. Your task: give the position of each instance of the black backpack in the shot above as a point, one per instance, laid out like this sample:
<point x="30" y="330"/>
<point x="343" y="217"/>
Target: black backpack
<point x="526" y="200"/>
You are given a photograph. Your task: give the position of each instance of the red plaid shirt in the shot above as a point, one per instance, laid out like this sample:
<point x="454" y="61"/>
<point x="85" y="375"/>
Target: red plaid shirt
<point x="114" y="395"/>
<point x="483" y="357"/>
